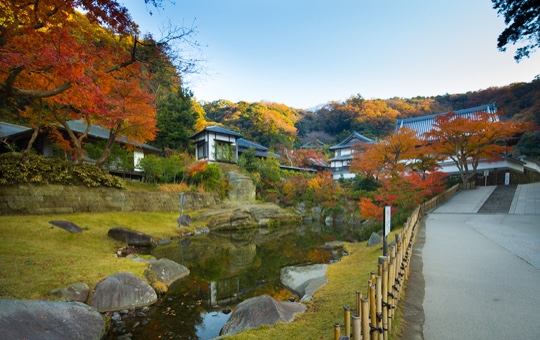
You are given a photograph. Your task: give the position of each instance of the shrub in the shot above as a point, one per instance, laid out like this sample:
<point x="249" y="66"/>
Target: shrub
<point x="41" y="170"/>
<point x="163" y="170"/>
<point x="181" y="187"/>
<point x="208" y="177"/>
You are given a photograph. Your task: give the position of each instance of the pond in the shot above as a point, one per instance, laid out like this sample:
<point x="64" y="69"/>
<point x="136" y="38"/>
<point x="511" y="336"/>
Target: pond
<point x="227" y="268"/>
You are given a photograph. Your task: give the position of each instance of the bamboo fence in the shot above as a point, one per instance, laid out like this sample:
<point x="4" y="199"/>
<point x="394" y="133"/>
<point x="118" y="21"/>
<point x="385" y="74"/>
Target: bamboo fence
<point x="375" y="312"/>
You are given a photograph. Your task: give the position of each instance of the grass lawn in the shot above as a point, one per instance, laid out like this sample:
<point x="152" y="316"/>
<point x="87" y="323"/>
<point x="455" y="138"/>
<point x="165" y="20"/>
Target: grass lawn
<point x="326" y="308"/>
<point x="36" y="257"/>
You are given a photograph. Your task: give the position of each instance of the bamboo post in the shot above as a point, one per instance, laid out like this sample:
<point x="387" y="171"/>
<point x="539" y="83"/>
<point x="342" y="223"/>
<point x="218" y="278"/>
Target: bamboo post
<point x="385" y="284"/>
<point x="356" y="327"/>
<point x="347" y="317"/>
<point x="337" y="331"/>
<point x="358" y="302"/>
<point x="378" y="298"/>
<point x="373" y="312"/>
<point x="390" y="291"/>
<point x="385" y="304"/>
<point x="365" y="319"/>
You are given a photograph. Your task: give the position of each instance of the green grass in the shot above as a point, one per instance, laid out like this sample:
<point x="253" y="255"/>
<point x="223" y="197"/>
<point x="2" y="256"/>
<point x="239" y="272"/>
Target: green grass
<point x="326" y="308"/>
<point x="36" y="257"/>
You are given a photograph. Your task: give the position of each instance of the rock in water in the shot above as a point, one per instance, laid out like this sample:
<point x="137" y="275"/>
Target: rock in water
<point x="76" y="292"/>
<point x="261" y="310"/>
<point x="67" y="226"/>
<point x="166" y="271"/>
<point x="304" y="280"/>
<point x="131" y="237"/>
<point x="122" y="291"/>
<point x="49" y="320"/>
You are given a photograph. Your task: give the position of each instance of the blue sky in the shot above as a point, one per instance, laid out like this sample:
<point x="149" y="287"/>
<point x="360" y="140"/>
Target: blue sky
<point x="306" y="53"/>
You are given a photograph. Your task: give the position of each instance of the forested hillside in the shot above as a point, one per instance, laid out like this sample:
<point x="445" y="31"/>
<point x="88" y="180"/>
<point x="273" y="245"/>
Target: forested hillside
<point x="272" y="124"/>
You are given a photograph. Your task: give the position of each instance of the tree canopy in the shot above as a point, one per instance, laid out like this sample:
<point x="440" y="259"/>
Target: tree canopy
<point x="468" y="140"/>
<point x="59" y="64"/>
<point x="522" y="18"/>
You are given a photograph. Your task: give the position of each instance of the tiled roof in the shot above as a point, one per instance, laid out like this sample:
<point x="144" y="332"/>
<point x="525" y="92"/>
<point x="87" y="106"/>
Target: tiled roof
<point x="7" y="129"/>
<point x="102" y="133"/>
<point x="217" y="129"/>
<point x="318" y="162"/>
<point x="350" y="141"/>
<point x="244" y="143"/>
<point x="78" y="126"/>
<point x="424" y="124"/>
<point x="342" y="158"/>
<point x="312" y="144"/>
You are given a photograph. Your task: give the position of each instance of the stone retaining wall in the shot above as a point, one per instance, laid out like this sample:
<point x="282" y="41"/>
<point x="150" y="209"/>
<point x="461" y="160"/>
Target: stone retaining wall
<point x="55" y="199"/>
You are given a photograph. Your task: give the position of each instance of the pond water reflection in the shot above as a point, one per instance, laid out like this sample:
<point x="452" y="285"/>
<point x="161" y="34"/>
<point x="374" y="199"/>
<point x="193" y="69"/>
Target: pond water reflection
<point x="227" y="268"/>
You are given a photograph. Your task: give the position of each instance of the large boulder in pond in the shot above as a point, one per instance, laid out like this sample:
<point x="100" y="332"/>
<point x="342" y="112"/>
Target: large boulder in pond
<point x="122" y="291"/>
<point x="49" y="320"/>
<point x="166" y="271"/>
<point x="304" y="280"/>
<point x="261" y="310"/>
<point x="76" y="292"/>
<point x="131" y="237"/>
<point x="66" y="225"/>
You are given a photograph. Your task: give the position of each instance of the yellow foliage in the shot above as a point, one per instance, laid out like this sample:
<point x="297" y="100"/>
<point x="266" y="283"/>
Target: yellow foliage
<point x="160" y="287"/>
<point x="180" y="187"/>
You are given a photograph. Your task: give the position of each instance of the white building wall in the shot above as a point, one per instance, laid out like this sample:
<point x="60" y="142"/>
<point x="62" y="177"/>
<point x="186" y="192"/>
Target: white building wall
<point x="138" y="154"/>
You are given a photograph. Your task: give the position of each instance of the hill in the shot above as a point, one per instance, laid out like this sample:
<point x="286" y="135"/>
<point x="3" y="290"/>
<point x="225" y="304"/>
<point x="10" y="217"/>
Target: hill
<point x="273" y="124"/>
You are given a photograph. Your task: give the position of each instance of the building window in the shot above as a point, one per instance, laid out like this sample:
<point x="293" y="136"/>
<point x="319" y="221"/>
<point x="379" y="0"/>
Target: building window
<point x="225" y="152"/>
<point x="201" y="151"/>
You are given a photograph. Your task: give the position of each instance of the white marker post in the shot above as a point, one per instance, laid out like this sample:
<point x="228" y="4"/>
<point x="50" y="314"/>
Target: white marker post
<point x="387" y="219"/>
<point x="182" y="202"/>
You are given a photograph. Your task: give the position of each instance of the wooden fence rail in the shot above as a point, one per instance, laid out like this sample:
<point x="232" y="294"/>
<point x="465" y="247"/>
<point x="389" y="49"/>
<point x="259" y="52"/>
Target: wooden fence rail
<point x="375" y="313"/>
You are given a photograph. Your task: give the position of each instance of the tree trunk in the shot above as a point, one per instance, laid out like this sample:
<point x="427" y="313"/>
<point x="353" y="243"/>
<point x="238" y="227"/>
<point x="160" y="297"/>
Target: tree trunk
<point x="78" y="156"/>
<point x="26" y="153"/>
<point x="108" y="146"/>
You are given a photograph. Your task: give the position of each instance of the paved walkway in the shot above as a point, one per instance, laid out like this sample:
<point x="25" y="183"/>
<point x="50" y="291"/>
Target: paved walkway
<point x="476" y="275"/>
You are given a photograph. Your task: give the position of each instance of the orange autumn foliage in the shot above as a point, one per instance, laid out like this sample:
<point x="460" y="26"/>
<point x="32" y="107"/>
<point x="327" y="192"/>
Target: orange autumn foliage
<point x="468" y="140"/>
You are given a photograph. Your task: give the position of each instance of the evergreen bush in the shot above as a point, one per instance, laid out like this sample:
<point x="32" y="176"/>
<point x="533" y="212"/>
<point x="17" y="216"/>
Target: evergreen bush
<point x="40" y="170"/>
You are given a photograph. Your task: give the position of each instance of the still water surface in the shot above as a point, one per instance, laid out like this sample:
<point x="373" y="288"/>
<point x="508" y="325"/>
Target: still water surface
<point x="227" y="268"/>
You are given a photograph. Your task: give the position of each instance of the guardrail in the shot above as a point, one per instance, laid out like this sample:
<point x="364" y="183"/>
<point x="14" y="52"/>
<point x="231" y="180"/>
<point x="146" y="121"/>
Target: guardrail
<point x="375" y="312"/>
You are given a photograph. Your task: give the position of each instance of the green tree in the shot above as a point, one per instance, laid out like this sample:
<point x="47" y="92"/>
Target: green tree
<point x="248" y="160"/>
<point x="522" y="18"/>
<point x="176" y="118"/>
<point x="529" y="144"/>
<point x="120" y="158"/>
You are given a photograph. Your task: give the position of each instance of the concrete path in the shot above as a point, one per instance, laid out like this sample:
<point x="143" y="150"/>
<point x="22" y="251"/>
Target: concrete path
<point x="476" y="276"/>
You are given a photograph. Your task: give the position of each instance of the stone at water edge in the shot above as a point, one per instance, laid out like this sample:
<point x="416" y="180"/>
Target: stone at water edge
<point x="131" y="237"/>
<point x="76" y="292"/>
<point x="67" y="226"/>
<point x="166" y="271"/>
<point x="304" y="280"/>
<point x="49" y="320"/>
<point x="122" y="291"/>
<point x="329" y="221"/>
<point x="261" y="310"/>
